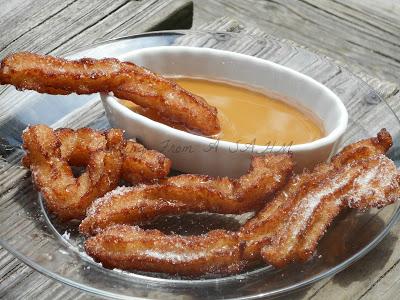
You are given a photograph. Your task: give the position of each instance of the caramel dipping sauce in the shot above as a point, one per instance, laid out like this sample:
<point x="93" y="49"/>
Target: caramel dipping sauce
<point x="249" y="116"/>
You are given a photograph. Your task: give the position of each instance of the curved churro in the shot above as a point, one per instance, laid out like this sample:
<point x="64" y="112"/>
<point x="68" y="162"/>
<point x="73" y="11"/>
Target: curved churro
<point x="310" y="201"/>
<point x="286" y="230"/>
<point x="292" y="231"/>
<point x="139" y="164"/>
<point x="65" y="195"/>
<point x="107" y="156"/>
<point x="191" y="193"/>
<point x="51" y="75"/>
<point x="129" y="247"/>
<point x="143" y="165"/>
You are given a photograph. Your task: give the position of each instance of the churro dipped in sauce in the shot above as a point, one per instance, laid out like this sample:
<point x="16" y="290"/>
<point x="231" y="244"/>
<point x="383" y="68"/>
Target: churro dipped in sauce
<point x="249" y="116"/>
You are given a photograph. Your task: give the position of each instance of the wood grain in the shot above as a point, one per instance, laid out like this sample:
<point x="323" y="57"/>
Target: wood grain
<point x="353" y="32"/>
<point x="70" y="25"/>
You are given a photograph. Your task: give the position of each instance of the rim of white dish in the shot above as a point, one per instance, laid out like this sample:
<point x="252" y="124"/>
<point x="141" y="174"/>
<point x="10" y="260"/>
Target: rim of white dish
<point x="334" y="135"/>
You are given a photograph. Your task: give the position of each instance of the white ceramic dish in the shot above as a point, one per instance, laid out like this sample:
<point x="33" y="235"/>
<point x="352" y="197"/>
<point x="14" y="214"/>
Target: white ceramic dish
<point x="198" y="154"/>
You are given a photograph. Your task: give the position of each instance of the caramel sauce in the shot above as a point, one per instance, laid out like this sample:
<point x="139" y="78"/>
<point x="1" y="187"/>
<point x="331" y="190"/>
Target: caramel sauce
<point x="248" y="116"/>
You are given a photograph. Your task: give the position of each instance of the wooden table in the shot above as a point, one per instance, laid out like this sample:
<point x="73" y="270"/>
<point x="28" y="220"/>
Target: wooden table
<point x="365" y="36"/>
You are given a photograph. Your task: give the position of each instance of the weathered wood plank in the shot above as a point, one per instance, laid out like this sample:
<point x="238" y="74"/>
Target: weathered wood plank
<point x="355" y="34"/>
<point x="61" y="26"/>
<point x="85" y="22"/>
<point x="387" y="287"/>
<point x="133" y="18"/>
<point x="20" y="16"/>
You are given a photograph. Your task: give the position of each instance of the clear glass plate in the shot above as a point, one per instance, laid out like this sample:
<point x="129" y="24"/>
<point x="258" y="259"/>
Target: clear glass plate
<point x="55" y="249"/>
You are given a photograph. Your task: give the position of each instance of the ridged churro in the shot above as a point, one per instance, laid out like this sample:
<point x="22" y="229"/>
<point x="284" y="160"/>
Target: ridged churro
<point x="52" y="75"/>
<point x="191" y="193"/>
<point x="50" y="154"/>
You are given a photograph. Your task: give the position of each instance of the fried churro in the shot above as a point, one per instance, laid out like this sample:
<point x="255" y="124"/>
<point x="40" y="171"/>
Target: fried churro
<point x="302" y="211"/>
<point x="130" y="247"/>
<point x="140" y="165"/>
<point x="49" y="154"/>
<point x="51" y="75"/>
<point x="191" y="193"/>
